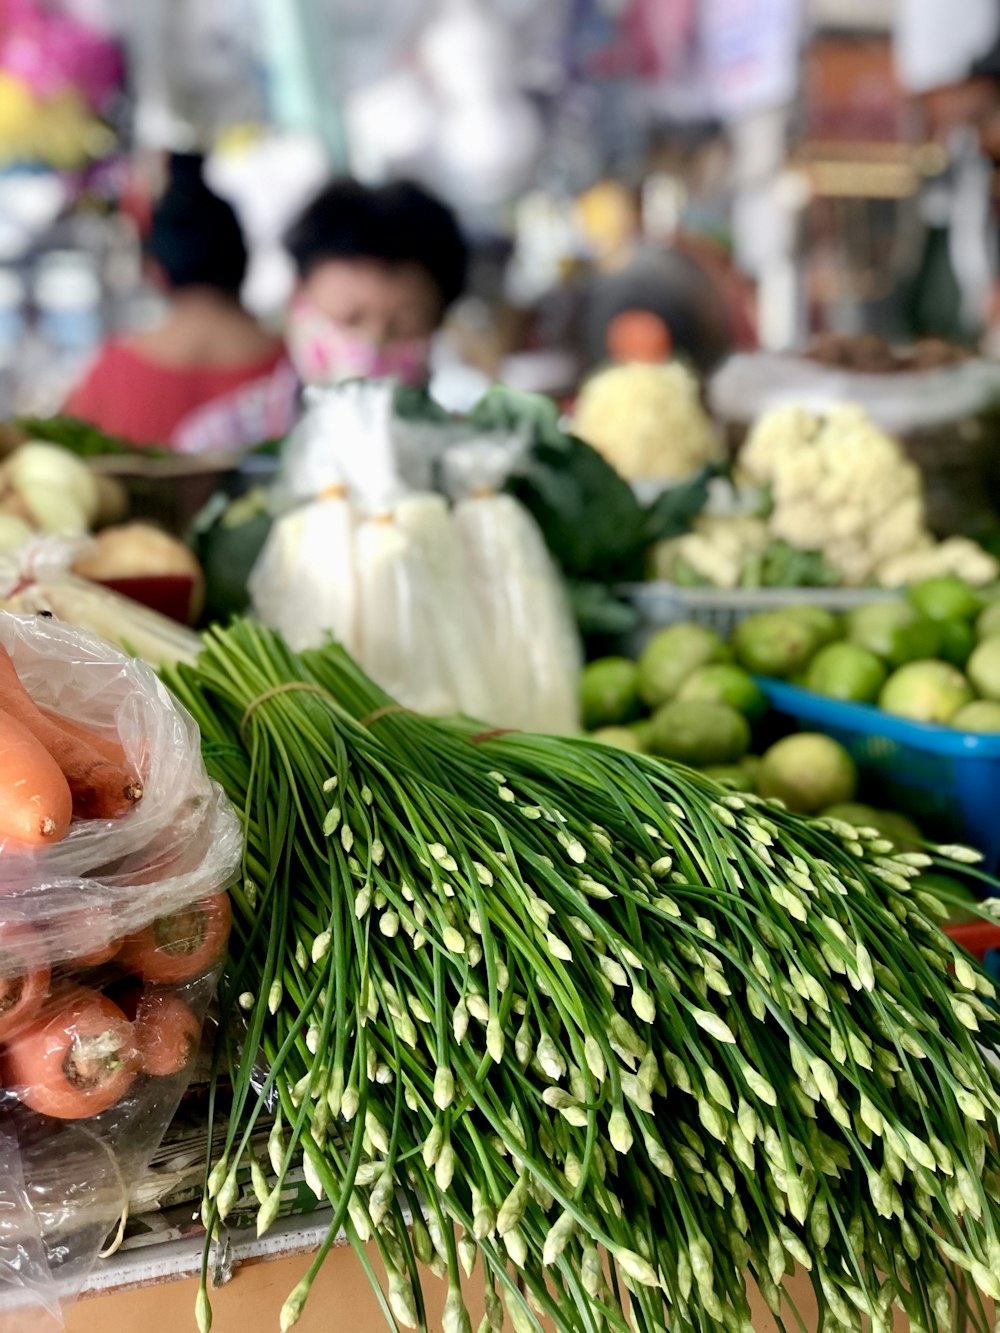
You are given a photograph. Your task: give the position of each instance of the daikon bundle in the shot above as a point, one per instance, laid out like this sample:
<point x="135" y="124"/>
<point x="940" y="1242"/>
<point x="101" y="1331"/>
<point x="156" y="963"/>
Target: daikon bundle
<point x="456" y="623"/>
<point x="535" y="649"/>
<point x="303" y="583"/>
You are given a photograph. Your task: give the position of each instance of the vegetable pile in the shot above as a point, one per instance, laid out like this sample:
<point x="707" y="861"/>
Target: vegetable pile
<point x="624" y="1039"/>
<point x="838" y="488"/>
<point x="454" y="608"/>
<point x="68" y="1051"/>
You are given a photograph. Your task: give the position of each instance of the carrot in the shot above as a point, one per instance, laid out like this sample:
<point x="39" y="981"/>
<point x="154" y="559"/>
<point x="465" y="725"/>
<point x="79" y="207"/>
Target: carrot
<point x="89" y="929"/>
<point x="24" y="977"/>
<point x="100" y="789"/>
<point x="167" y="1034"/>
<point x="76" y="1059"/>
<point x="35" y="802"/>
<point x="109" y="749"/>
<point x="182" y="945"/>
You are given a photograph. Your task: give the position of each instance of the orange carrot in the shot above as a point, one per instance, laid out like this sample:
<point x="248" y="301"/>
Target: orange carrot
<point x="100" y="789"/>
<point x="35" y="802"/>
<point x="109" y="749"/>
<point x="167" y="1034"/>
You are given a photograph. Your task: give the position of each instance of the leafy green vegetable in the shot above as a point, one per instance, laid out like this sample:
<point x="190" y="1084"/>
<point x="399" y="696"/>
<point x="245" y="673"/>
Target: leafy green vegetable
<point x="595" y="527"/>
<point x="86" y="441"/>
<point x="785" y="566"/>
<point x="83" y="439"/>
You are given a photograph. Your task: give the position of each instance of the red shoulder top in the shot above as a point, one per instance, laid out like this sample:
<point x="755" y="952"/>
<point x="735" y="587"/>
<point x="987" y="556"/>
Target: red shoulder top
<point x="142" y="401"/>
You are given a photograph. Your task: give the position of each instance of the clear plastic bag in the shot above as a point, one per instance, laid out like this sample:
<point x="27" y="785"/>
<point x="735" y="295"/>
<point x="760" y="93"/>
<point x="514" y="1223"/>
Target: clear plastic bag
<point x="535" y="648"/>
<point x="361" y="553"/>
<point x="110" y="943"/>
<point x="752" y="383"/>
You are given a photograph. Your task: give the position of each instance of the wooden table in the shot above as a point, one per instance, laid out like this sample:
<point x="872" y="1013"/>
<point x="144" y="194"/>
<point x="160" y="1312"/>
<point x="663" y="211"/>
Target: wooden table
<point x="152" y="1291"/>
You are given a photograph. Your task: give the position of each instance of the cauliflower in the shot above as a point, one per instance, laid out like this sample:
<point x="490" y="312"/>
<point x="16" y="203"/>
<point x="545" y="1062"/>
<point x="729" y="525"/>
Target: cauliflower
<point x="777" y="436"/>
<point x="647" y="421"/>
<point x="717" y="549"/>
<point x="839" y="485"/>
<point x="956" y="555"/>
<point x="840" y="488"/>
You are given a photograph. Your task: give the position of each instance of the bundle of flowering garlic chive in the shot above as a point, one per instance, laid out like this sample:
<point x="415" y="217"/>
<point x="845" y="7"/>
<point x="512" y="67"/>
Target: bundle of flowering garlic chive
<point x="630" y="1043"/>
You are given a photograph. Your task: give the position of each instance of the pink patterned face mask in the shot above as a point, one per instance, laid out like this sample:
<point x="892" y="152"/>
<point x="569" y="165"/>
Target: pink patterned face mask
<point x="323" y="352"/>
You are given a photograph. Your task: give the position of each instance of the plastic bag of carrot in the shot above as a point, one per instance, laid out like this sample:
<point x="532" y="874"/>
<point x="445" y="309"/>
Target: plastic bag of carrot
<point x="116" y="850"/>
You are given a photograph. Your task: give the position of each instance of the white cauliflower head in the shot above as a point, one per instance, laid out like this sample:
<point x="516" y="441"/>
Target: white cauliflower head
<point x="647" y="421"/>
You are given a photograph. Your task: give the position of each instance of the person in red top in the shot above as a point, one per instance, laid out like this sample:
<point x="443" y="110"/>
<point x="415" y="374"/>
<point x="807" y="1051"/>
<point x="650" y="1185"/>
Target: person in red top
<point x="146" y="387"/>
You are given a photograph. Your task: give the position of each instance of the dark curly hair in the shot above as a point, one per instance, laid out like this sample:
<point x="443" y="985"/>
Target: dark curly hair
<point x="397" y="223"/>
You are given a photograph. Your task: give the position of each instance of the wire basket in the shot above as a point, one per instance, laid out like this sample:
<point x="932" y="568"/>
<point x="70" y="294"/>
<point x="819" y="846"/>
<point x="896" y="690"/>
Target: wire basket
<point x="659" y="604"/>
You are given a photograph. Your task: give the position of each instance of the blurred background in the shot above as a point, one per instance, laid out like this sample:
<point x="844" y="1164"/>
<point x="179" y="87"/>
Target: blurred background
<point x="766" y="170"/>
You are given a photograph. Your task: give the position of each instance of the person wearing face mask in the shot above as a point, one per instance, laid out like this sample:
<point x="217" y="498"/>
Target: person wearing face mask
<point x="377" y="269"/>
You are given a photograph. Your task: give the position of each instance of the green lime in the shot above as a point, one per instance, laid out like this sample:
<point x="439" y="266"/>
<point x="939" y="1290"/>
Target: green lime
<point x="733" y="776"/>
<point x="988" y="623"/>
<point x="826" y="625"/>
<point x="873" y="624"/>
<point x="808" y="772"/>
<point x="622" y="738"/>
<point x="724" y="683"/>
<point x="642" y="730"/>
<point x="609" y="692"/>
<point x="914" y="643"/>
<point x="958" y="639"/>
<point x="945" y="598"/>
<point x="980" y="715"/>
<point x="697" y="733"/>
<point x="892" y="825"/>
<point x="983" y="669"/>
<point x="853" y="813"/>
<point x="846" y="671"/>
<point x="775" y="643"/>
<point x="926" y="691"/>
<point x="671" y="656"/>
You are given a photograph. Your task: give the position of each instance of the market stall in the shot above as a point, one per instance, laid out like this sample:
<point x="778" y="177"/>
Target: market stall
<point x="471" y="856"/>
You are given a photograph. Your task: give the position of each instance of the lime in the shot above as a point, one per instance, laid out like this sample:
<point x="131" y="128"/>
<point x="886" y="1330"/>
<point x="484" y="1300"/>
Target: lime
<point x="724" y="683"/>
<point x="925" y="691"/>
<point x="696" y="732"/>
<point x="958" y="639"/>
<point x="733" y="776"/>
<point x="826" y="625"/>
<point x="892" y="825"/>
<point x="642" y="730"/>
<point x="984" y="669"/>
<point x="874" y="623"/>
<point x="622" y="738"/>
<point x="609" y="692"/>
<point x="808" y="772"/>
<point x="671" y="656"/>
<point x="740" y="777"/>
<point x="945" y="598"/>
<point x="988" y="623"/>
<point x="853" y="813"/>
<point x="980" y="715"/>
<point x="846" y="671"/>
<point x="915" y="643"/>
<point x="775" y="643"/>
